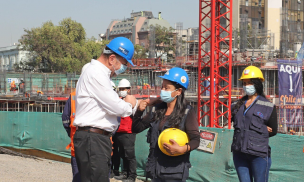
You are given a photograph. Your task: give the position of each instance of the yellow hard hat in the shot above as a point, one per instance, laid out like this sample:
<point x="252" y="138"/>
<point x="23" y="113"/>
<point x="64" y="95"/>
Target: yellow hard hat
<point x="252" y="72"/>
<point x="172" y="133"/>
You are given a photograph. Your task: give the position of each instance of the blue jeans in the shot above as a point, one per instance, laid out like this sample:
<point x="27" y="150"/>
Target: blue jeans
<point x="76" y="174"/>
<point x="251" y="168"/>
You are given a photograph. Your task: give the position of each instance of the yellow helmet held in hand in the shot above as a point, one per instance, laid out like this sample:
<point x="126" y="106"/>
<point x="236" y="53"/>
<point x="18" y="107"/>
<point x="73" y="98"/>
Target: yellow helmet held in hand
<point x="172" y="133"/>
<point x="252" y="72"/>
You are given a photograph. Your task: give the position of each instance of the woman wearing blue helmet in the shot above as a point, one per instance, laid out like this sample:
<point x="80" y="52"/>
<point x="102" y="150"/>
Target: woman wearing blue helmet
<point x="172" y="112"/>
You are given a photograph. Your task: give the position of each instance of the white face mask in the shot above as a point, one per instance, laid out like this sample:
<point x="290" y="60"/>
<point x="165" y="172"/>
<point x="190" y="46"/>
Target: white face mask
<point x="123" y="94"/>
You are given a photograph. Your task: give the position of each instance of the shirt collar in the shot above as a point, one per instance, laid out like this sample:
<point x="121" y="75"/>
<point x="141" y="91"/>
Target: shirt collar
<point x="106" y="70"/>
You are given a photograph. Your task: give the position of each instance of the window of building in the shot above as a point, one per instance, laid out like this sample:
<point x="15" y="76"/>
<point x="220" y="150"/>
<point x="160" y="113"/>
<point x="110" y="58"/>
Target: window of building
<point x="115" y="32"/>
<point x="121" y="25"/>
<point x="142" y="29"/>
<point x="118" y="31"/>
<point x="130" y="30"/>
<point x="145" y="23"/>
<point x="125" y="25"/>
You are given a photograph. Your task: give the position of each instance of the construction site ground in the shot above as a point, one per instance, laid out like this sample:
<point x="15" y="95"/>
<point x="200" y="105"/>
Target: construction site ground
<point x="16" y="169"/>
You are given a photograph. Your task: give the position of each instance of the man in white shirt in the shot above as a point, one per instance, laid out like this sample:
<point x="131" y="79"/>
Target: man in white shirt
<point x="97" y="109"/>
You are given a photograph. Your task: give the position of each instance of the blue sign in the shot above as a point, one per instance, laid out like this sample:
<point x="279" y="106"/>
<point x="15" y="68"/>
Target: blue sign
<point x="290" y="91"/>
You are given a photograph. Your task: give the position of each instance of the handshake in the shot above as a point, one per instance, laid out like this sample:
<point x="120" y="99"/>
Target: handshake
<point x="142" y="104"/>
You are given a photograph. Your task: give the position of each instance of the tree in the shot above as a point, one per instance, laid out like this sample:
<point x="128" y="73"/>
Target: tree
<point x="139" y="52"/>
<point x="61" y="48"/>
<point x="164" y="41"/>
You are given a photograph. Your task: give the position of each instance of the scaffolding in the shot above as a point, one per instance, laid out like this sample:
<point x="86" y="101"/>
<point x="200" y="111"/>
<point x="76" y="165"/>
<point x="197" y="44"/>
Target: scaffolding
<point x="292" y="22"/>
<point x="30" y="84"/>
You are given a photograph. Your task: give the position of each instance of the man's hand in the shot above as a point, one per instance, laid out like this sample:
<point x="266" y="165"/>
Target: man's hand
<point x="143" y="104"/>
<point x="131" y="99"/>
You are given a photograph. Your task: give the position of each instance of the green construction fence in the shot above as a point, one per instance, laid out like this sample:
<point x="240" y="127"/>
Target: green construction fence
<point x="44" y="131"/>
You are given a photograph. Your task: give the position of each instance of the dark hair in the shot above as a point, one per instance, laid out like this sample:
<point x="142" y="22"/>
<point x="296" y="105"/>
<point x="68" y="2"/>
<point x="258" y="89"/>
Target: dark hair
<point x="258" y="85"/>
<point x="179" y="109"/>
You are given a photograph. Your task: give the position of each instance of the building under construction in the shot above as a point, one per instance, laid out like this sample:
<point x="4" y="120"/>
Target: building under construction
<point x="48" y="92"/>
<point x="253" y="39"/>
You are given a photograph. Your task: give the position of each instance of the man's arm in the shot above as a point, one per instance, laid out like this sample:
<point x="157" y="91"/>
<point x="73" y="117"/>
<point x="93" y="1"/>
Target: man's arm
<point x="66" y="116"/>
<point x="104" y="94"/>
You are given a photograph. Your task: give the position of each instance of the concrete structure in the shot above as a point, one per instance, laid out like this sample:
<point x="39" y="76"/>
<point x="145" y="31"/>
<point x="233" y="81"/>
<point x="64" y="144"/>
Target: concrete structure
<point x="258" y="19"/>
<point x="136" y="28"/>
<point x="11" y="55"/>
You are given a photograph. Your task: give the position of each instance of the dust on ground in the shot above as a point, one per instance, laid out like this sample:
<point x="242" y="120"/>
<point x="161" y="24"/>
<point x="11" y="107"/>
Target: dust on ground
<point x="16" y="169"/>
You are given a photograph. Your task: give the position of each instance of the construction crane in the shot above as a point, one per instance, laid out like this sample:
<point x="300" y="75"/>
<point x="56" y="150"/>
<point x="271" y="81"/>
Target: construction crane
<point x="215" y="62"/>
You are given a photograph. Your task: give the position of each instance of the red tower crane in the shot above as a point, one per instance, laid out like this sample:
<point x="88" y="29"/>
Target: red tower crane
<point x="215" y="44"/>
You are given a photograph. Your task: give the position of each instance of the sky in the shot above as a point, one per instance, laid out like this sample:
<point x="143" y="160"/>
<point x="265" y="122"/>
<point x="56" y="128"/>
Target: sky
<point x="94" y="15"/>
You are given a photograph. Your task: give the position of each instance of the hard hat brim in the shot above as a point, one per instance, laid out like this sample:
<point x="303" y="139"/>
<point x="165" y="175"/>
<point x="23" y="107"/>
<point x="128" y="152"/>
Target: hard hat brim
<point x="251" y="78"/>
<point x="130" y="61"/>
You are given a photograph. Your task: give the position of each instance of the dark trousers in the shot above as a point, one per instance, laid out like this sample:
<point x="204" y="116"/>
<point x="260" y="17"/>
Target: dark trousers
<point x="126" y="145"/>
<point x="116" y="156"/>
<point x="93" y="156"/>
<point x="75" y="171"/>
<point x="251" y="168"/>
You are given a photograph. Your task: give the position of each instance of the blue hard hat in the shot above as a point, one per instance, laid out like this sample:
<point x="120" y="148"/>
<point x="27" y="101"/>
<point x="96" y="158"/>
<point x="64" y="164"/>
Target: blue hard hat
<point x="177" y="75"/>
<point x="123" y="47"/>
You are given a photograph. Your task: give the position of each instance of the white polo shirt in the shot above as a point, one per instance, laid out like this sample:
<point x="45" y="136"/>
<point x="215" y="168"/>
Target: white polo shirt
<point x="97" y="104"/>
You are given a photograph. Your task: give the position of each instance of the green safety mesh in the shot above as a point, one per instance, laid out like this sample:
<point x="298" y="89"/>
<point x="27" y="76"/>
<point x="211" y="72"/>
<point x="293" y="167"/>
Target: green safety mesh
<point x="44" y="131"/>
<point x="34" y="130"/>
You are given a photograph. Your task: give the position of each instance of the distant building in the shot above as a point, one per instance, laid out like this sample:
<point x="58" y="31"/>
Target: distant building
<point x="137" y="28"/>
<point x="11" y="55"/>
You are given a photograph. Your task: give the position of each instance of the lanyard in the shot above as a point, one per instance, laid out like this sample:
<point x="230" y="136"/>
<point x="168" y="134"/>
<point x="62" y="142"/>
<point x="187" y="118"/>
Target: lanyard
<point x="250" y="105"/>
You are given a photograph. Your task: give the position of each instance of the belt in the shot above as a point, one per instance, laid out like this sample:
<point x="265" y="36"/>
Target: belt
<point x="94" y="130"/>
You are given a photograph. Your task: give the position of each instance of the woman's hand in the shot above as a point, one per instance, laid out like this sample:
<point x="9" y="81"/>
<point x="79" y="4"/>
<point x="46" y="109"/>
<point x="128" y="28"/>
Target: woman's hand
<point x="269" y="129"/>
<point x="174" y="148"/>
<point x="143" y="104"/>
<point x="154" y="101"/>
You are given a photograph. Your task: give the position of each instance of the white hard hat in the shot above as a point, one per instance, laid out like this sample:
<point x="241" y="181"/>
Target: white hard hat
<point x="84" y="67"/>
<point x="113" y="85"/>
<point x="124" y="83"/>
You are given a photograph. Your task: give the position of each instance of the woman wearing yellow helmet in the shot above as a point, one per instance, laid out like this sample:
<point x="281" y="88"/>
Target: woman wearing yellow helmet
<point x="169" y="157"/>
<point x="254" y="121"/>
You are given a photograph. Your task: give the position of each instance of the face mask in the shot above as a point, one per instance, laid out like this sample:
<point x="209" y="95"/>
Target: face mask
<point x="123" y="93"/>
<point x="166" y="96"/>
<point x="249" y="89"/>
<point x="122" y="69"/>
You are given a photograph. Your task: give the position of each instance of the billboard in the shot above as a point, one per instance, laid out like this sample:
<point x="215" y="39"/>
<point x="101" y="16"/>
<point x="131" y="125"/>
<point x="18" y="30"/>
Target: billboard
<point x="290" y="91"/>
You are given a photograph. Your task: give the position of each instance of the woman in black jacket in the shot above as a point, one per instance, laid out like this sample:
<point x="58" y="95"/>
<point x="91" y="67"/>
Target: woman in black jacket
<point x="173" y="112"/>
<point x="254" y="121"/>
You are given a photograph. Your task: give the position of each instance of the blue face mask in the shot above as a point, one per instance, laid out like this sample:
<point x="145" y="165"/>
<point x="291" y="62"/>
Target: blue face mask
<point x="249" y="89"/>
<point x="121" y="70"/>
<point x="166" y="96"/>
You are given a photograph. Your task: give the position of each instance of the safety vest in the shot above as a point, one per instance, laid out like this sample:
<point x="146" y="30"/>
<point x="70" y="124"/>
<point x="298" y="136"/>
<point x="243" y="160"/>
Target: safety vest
<point x="73" y="128"/>
<point x="250" y="128"/>
<point x="160" y="165"/>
